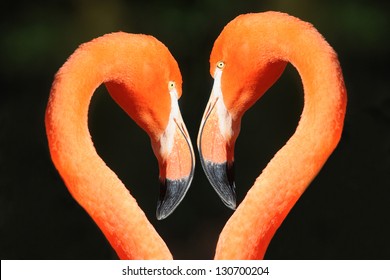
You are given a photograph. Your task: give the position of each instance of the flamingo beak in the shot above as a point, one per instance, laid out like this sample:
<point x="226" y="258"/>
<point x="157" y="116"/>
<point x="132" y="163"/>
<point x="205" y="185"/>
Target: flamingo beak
<point x="176" y="162"/>
<point x="216" y="140"/>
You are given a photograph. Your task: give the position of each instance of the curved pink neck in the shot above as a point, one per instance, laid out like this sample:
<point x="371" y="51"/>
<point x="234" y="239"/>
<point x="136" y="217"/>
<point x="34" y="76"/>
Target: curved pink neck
<point x="250" y="229"/>
<point x="95" y="187"/>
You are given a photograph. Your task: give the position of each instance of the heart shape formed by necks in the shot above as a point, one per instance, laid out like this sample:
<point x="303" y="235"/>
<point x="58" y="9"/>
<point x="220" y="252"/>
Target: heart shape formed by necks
<point x="144" y="79"/>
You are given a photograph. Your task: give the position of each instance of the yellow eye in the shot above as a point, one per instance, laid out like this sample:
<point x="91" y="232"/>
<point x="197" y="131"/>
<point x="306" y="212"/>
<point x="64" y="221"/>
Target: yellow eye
<point x="220" y="64"/>
<point x="171" y="85"/>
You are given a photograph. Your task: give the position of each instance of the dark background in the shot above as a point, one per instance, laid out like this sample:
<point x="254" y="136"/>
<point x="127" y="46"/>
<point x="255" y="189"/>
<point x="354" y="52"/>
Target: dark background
<point x="344" y="214"/>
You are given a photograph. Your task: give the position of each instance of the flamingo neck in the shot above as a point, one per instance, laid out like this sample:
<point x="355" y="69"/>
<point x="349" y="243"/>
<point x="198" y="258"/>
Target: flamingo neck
<point x="94" y="186"/>
<point x="249" y="231"/>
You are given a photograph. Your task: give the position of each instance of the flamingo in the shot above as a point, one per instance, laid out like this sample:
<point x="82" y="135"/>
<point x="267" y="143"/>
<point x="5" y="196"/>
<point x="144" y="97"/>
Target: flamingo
<point x="144" y="79"/>
<point x="249" y="55"/>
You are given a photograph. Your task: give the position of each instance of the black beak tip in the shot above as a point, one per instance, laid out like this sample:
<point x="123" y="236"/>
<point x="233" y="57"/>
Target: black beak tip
<point x="172" y="193"/>
<point x="221" y="177"/>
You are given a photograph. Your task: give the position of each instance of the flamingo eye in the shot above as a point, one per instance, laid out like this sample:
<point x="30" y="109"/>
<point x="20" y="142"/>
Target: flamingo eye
<point x="220" y="64"/>
<point x="171" y="85"/>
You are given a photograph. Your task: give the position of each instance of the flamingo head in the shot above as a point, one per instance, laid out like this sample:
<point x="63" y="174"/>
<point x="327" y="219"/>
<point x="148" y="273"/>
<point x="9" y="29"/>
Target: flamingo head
<point x="242" y="70"/>
<point x="149" y="93"/>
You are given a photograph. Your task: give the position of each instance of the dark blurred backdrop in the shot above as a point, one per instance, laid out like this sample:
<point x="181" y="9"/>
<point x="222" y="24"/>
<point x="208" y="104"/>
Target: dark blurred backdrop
<point x="344" y="214"/>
